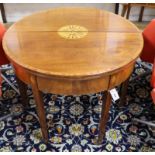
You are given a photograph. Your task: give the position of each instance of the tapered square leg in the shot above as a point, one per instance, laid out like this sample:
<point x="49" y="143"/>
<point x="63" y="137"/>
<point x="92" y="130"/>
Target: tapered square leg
<point x="23" y="92"/>
<point x="40" y="108"/>
<point x="123" y="92"/>
<point x="104" y="116"/>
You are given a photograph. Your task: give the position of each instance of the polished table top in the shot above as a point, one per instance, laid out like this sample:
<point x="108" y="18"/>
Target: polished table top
<point x="73" y="42"/>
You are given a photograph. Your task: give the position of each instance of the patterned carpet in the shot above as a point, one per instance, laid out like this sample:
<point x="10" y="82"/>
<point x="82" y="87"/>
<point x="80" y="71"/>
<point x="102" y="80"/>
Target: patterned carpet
<point x="75" y="121"/>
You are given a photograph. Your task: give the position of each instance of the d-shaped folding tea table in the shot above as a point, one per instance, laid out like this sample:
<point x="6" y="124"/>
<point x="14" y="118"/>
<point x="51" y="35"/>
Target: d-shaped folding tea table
<point x="72" y="51"/>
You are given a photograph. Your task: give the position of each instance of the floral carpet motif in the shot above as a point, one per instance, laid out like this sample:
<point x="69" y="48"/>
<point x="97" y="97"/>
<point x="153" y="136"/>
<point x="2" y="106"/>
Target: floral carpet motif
<point x="73" y="121"/>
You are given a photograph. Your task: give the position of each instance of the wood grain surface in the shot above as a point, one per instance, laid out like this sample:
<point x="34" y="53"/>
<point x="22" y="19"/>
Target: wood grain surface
<point x="111" y="43"/>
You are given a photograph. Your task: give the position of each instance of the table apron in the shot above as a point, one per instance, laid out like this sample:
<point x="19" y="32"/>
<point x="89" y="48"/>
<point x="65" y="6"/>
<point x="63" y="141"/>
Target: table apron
<point x="75" y="87"/>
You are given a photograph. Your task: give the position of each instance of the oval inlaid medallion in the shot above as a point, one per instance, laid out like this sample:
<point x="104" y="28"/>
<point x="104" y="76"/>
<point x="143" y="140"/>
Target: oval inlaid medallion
<point x="72" y="32"/>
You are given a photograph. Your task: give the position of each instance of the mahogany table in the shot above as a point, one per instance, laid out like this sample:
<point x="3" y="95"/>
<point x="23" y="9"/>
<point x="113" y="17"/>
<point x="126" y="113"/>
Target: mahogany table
<point x="72" y="51"/>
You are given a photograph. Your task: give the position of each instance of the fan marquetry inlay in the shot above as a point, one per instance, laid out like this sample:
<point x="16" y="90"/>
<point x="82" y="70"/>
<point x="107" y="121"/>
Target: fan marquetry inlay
<point x="72" y="32"/>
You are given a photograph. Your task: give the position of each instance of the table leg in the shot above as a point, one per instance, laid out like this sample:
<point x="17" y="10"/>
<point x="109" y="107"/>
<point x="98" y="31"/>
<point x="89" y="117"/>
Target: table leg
<point x="3" y="12"/>
<point x="125" y="7"/>
<point x="40" y="108"/>
<point x="123" y="92"/>
<point x="116" y="8"/>
<point x="141" y="14"/>
<point x="128" y="11"/>
<point x="23" y="92"/>
<point x="104" y="116"/>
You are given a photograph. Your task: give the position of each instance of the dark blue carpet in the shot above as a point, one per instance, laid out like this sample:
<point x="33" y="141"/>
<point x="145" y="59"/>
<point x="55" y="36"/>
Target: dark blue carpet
<point x="75" y="121"/>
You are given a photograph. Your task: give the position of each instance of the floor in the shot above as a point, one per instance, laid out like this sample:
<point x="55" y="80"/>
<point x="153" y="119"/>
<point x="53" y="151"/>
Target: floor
<point x="141" y="25"/>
